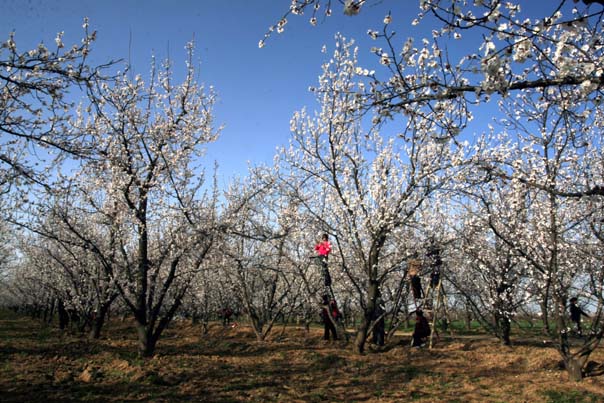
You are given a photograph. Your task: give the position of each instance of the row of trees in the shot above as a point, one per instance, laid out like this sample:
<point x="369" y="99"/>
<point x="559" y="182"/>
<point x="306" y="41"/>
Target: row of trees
<point x="131" y="219"/>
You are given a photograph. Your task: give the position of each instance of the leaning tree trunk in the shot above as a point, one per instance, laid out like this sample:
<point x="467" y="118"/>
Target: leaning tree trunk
<point x="362" y="333"/>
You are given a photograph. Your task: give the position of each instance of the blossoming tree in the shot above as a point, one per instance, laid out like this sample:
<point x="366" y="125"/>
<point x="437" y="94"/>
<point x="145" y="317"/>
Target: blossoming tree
<point x="361" y="186"/>
<point x="35" y="107"/>
<point x="141" y="184"/>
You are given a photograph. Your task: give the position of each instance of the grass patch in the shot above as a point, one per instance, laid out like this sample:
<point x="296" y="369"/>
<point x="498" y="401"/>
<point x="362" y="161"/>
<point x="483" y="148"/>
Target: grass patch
<point x="323" y="362"/>
<point x="410" y="371"/>
<point x="570" y="396"/>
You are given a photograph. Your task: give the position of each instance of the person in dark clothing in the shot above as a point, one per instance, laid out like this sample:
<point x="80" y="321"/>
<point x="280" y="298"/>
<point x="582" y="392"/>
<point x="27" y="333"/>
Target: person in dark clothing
<point x="435" y="263"/>
<point x="422" y="329"/>
<point x="575" y="315"/>
<point x="416" y="283"/>
<point x="226" y="314"/>
<point x="330" y="308"/>
<point x="416" y="287"/>
<point x="379" y="329"/>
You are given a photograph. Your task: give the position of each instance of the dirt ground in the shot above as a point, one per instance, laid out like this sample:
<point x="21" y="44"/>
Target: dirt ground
<point x="40" y="364"/>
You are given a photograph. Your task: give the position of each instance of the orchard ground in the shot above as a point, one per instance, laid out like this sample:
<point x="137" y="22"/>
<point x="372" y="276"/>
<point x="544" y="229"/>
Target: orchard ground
<point x="40" y="364"/>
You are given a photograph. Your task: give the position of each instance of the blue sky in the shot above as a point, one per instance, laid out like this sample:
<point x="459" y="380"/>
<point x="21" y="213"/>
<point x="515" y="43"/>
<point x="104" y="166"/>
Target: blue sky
<point x="258" y="89"/>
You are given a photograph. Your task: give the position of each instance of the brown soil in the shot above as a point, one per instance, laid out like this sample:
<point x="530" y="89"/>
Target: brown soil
<point x="40" y="364"/>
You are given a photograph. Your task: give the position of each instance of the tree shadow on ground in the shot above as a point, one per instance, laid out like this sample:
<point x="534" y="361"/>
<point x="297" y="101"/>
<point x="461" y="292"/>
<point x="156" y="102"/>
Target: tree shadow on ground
<point x="231" y="366"/>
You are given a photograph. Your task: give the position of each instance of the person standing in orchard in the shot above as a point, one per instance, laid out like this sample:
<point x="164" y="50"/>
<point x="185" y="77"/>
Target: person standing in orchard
<point x="575" y="315"/>
<point x="422" y="329"/>
<point x="330" y="315"/>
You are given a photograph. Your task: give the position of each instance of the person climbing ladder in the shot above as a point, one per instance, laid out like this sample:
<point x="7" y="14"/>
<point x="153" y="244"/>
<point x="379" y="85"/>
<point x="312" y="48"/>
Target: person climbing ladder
<point x="415" y="281"/>
<point x="334" y="325"/>
<point x="435" y="262"/>
<point x="323" y="248"/>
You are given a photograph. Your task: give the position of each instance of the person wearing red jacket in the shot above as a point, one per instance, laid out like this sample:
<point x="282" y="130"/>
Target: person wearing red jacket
<point x="323" y="248"/>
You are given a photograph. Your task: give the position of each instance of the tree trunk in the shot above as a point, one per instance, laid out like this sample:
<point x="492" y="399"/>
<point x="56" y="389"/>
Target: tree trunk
<point x="574" y="368"/>
<point x="146" y="341"/>
<point x="98" y="321"/>
<point x="96" y="326"/>
<point x="49" y="312"/>
<point x="572" y="364"/>
<point x="504" y="326"/>
<point x="361" y="337"/>
<point x="63" y="315"/>
<point x="257" y="325"/>
<point x="468" y="319"/>
<point x="363" y="330"/>
<point x="545" y="319"/>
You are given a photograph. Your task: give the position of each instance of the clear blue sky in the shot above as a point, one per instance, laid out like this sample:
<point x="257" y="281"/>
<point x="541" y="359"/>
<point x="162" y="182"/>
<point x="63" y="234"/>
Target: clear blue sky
<point x="259" y="89"/>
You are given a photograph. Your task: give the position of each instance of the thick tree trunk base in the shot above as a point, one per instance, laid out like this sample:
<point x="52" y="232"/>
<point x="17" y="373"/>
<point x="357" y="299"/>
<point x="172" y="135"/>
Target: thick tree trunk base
<point x="574" y="369"/>
<point x="360" y="341"/>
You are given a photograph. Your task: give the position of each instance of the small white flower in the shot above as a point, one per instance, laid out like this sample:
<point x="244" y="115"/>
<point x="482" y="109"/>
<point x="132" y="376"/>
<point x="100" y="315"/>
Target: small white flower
<point x="385" y="59"/>
<point x="59" y="39"/>
<point x="261" y="44"/>
<point x="281" y="25"/>
<point x="388" y="19"/>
